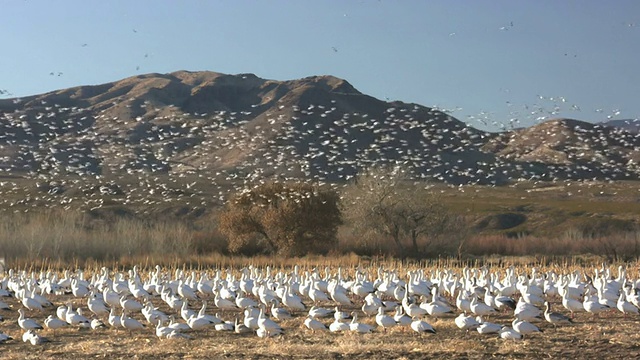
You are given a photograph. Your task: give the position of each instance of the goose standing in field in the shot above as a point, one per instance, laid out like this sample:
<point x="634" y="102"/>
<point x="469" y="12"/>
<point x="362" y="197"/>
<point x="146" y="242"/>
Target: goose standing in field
<point x="54" y="323"/>
<point x="626" y="307"/>
<point x="526" y="311"/>
<point x="114" y="320"/>
<point x="524" y="327"/>
<point x="421" y="326"/>
<point x="572" y="305"/>
<point x="130" y="323"/>
<point x="361" y="328"/>
<point x="267" y="325"/>
<point x="27" y="323"/>
<point x="481" y="309"/>
<point x="555" y="318"/>
<point x="593" y="306"/>
<point x="292" y="301"/>
<point x="313" y="324"/>
<point x="28" y="301"/>
<point x="162" y="331"/>
<point x="76" y="318"/>
<point x="466" y="323"/>
<point x="385" y="321"/>
<point x="279" y="313"/>
<point x="96" y="305"/>
<point x="401" y="318"/>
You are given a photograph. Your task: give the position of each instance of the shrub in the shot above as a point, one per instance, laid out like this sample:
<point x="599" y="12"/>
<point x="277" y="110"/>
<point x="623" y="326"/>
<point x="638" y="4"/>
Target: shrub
<point x="291" y="219"/>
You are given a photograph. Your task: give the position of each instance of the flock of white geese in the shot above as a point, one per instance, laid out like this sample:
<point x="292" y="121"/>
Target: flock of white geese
<point x="257" y="300"/>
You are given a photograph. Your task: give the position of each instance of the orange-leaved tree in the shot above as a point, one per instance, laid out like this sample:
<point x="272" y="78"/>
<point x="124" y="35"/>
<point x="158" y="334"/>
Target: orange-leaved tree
<point x="283" y="218"/>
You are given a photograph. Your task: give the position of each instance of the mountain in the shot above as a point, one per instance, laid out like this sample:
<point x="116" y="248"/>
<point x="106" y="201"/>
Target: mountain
<point x="630" y="125"/>
<point x="317" y="127"/>
<point x="241" y="129"/>
<point x="571" y="149"/>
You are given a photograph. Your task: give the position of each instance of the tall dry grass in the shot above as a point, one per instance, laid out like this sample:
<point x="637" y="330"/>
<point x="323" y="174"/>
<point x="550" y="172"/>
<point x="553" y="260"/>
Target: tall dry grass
<point x="74" y="235"/>
<point x="67" y="237"/>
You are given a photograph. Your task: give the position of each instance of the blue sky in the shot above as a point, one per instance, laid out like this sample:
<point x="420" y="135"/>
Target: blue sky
<point x="490" y="61"/>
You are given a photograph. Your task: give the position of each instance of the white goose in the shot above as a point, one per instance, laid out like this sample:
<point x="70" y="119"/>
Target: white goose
<point x="338" y="326"/>
<point x="421" y="326"/>
<point x="268" y="326"/>
<point x="524" y="327"/>
<point x="361" y="328"/>
<point x="313" y="324"/>
<point x="385" y="321"/>
<point x="27" y="323"/>
<point x="626" y="307"/>
<point x="54" y="323"/>
<point x="555" y="318"/>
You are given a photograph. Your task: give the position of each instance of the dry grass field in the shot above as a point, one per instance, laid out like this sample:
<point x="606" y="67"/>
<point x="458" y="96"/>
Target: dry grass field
<point x="609" y="335"/>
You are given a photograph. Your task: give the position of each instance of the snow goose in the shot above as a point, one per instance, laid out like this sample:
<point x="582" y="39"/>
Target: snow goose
<point x="462" y="301"/>
<point x="178" y="326"/>
<point x="318" y="312"/>
<point x="466" y="323"/>
<point x="524" y="327"/>
<point x="278" y="312"/>
<point x="421" y="326"/>
<point x="572" y="305"/>
<point x="555" y="318"/>
<point x="97" y="324"/>
<point x="196" y="322"/>
<point x="292" y="301"/>
<point x="361" y="328"/>
<point x="75" y="318"/>
<point x="225" y="326"/>
<point x="34" y="338"/>
<point x="313" y="324"/>
<point x="202" y="313"/>
<point x="486" y="327"/>
<point x="240" y="328"/>
<point x="338" y="293"/>
<point x="593" y="306"/>
<point x="27" y="323"/>
<point x="96" y="305"/>
<point x="244" y="302"/>
<point x="130" y="304"/>
<point x="401" y="318"/>
<point x="481" y="309"/>
<point x="130" y="323"/>
<point x="508" y="333"/>
<point x="338" y="326"/>
<point x="162" y="331"/>
<point x="267" y="325"/>
<point x="28" y="301"/>
<point x="385" y="321"/>
<point x="4" y="338"/>
<point x="114" y="320"/>
<point x="54" y="323"/>
<point x="185" y="312"/>
<point x="526" y="311"/>
<point x="224" y="304"/>
<point x="626" y="307"/>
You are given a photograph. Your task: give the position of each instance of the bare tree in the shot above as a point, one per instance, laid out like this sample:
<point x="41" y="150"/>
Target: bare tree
<point x="385" y="201"/>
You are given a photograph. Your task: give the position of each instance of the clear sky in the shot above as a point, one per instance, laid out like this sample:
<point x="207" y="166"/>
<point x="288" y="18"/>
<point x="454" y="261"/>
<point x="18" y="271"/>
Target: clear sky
<point x="489" y="61"/>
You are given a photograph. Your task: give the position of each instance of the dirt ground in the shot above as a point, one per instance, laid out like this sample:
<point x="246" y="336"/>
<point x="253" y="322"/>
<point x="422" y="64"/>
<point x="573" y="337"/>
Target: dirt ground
<point x="611" y="335"/>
